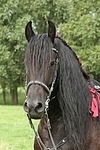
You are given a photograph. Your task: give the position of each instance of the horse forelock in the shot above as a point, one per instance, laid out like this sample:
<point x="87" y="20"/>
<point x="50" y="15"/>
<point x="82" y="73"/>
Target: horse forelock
<point x="38" y="53"/>
<point x="74" y="96"/>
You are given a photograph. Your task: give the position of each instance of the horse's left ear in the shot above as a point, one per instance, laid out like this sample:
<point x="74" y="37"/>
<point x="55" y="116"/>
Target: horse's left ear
<point x="51" y="31"/>
<point x="28" y="31"/>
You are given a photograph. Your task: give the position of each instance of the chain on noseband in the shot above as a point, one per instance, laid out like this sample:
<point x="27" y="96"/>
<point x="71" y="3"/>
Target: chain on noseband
<point x="49" y="91"/>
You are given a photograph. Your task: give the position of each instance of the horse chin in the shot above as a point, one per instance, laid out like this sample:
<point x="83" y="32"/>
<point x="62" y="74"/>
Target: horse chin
<point x="36" y="116"/>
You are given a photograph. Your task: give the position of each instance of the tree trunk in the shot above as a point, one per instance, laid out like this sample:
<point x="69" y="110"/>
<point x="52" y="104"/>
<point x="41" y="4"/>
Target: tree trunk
<point x="14" y="95"/>
<point x="4" y="95"/>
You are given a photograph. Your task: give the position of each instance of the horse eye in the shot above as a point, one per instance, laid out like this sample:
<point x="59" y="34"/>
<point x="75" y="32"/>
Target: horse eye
<point x="52" y="63"/>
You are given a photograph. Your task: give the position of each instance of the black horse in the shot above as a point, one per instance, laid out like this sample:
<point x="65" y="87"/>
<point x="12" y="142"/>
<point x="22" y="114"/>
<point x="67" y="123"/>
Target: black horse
<point x="59" y="92"/>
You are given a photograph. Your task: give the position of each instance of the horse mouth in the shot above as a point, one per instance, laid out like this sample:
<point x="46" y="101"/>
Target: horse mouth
<point x="35" y="115"/>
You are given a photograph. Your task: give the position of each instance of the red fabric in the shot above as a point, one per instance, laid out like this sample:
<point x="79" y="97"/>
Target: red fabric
<point x="80" y="63"/>
<point x="95" y="101"/>
<point x="56" y="35"/>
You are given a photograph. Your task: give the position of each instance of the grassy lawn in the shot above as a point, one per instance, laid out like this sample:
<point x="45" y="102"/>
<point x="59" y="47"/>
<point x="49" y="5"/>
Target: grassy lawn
<point x="15" y="131"/>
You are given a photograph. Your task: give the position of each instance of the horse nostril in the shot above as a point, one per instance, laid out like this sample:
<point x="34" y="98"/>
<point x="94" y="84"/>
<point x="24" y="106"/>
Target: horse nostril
<point x="26" y="108"/>
<point x="25" y="104"/>
<point x="39" y="108"/>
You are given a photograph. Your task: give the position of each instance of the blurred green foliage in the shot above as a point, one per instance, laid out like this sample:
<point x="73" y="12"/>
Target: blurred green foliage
<point x="78" y="22"/>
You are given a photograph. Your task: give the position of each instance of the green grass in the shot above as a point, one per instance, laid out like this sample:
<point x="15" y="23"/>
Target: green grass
<point x="15" y="131"/>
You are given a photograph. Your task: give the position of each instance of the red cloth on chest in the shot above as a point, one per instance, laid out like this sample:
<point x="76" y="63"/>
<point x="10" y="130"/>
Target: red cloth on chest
<point x="95" y="102"/>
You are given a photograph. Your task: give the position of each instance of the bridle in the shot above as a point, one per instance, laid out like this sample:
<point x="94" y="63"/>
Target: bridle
<point x="49" y="91"/>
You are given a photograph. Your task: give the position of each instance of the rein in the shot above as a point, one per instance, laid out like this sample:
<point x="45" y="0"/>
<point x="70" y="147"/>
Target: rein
<point x="41" y="144"/>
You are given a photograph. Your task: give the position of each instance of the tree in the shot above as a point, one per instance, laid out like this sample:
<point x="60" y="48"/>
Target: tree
<point x="13" y="17"/>
<point x="82" y="31"/>
<point x="12" y="54"/>
<point x="76" y="20"/>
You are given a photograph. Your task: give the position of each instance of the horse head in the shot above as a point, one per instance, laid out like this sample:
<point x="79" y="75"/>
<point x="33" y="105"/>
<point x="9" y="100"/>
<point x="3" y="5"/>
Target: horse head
<point x="41" y="67"/>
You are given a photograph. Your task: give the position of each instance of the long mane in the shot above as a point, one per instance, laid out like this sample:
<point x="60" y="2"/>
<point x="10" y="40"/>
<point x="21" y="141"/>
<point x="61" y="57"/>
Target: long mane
<point x="74" y="96"/>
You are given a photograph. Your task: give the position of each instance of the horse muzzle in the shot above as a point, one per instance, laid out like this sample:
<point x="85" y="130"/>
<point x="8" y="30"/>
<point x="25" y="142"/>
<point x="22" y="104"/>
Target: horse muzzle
<point x="35" y="110"/>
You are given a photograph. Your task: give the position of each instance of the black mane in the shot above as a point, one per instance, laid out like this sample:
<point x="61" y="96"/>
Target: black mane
<point x="74" y="96"/>
<point x="85" y="74"/>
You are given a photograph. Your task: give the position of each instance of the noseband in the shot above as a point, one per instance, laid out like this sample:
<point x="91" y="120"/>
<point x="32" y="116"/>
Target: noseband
<point x="39" y="83"/>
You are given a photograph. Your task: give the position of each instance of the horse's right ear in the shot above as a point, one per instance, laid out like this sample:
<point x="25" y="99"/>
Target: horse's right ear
<point x="28" y="31"/>
<point x="51" y="31"/>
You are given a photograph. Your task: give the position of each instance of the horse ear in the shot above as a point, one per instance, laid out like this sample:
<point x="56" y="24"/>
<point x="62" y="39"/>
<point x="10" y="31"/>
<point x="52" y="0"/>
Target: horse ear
<point x="28" y="31"/>
<point x="51" y="31"/>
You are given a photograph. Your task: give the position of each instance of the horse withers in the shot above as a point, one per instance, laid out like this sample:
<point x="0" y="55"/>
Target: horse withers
<point x="58" y="93"/>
